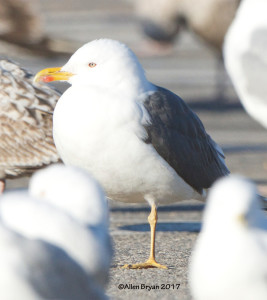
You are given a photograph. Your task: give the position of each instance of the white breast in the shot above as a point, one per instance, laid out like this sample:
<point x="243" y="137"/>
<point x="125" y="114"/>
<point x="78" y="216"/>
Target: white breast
<point x="103" y="134"/>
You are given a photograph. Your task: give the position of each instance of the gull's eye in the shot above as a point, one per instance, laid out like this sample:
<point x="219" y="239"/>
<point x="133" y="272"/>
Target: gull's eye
<point x="92" y="65"/>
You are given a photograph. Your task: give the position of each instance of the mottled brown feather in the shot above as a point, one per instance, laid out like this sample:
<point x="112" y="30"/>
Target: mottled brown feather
<point x="26" y="140"/>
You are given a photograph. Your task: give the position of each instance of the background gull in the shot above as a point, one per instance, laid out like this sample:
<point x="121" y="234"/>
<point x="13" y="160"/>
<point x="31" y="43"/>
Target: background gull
<point x="142" y="142"/>
<point x="209" y="19"/>
<point x="230" y="256"/>
<point x="165" y="21"/>
<point x="246" y="58"/>
<point x="26" y="142"/>
<point x="21" y="24"/>
<point x="33" y="269"/>
<point x="37" y="218"/>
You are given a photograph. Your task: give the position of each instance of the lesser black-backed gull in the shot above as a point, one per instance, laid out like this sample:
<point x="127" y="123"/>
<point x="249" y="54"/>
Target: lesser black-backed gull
<point x="140" y="141"/>
<point x="230" y="256"/>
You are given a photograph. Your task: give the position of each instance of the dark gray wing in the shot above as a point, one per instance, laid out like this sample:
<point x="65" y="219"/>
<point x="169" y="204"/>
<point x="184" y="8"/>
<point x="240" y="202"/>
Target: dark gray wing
<point x="180" y="138"/>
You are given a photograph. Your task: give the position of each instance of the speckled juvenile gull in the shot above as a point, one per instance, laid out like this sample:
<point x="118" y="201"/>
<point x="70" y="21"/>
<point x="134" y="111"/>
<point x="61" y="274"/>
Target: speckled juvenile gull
<point x="78" y="225"/>
<point x="140" y="141"/>
<point x="230" y="256"/>
<point x="246" y="57"/>
<point x="33" y="269"/>
<point x="26" y="141"/>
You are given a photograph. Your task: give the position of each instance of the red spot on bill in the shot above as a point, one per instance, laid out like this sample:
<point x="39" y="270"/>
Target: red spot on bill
<point x="47" y="78"/>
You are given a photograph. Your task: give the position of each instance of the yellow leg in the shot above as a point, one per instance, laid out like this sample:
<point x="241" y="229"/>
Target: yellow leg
<point x="151" y="262"/>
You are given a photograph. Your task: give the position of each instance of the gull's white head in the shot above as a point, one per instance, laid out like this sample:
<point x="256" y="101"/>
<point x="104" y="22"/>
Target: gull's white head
<point x="232" y="200"/>
<point x="72" y="190"/>
<point x="103" y="63"/>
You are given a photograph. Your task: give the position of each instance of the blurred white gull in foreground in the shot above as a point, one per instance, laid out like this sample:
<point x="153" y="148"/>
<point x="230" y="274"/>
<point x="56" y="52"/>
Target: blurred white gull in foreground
<point x="33" y="269"/>
<point x="82" y="199"/>
<point x="74" y="191"/>
<point x="230" y="257"/>
<point x="80" y="227"/>
<point x="246" y="57"/>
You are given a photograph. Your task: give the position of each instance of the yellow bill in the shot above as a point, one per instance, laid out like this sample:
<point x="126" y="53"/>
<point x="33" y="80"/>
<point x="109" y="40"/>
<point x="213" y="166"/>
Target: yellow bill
<point x="52" y="74"/>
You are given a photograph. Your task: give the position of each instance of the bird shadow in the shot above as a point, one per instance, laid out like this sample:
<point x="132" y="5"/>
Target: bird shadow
<point x="216" y="104"/>
<point x="172" y="208"/>
<point x="260" y="181"/>
<point x="245" y="148"/>
<point x="165" y="227"/>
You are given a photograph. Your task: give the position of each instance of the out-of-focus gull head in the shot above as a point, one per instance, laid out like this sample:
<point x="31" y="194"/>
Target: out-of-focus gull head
<point x="232" y="200"/>
<point x="229" y="258"/>
<point x="73" y="190"/>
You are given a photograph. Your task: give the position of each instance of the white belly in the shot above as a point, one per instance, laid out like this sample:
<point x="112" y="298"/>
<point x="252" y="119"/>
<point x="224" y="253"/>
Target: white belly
<point x="105" y="138"/>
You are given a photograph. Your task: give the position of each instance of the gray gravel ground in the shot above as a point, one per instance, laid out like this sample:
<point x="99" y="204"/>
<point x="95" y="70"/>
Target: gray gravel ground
<point x="193" y="72"/>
